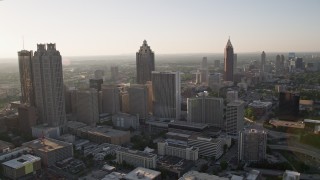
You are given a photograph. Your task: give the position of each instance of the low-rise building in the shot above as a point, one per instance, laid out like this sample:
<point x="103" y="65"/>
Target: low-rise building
<point x="136" y="158"/>
<point x="170" y="148"/>
<point x="125" y="121"/>
<point x="5" y="146"/>
<point x="45" y="130"/>
<point x="259" y="108"/>
<point x="291" y="175"/>
<point x="50" y="150"/>
<point x="141" y="173"/>
<point x="21" y="166"/>
<point x="201" y="176"/>
<point x="208" y="146"/>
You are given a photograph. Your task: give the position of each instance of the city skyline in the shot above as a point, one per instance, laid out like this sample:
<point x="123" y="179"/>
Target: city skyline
<point x="185" y="27"/>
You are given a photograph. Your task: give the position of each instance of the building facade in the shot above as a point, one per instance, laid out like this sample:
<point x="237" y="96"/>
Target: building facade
<point x="87" y="107"/>
<point x="228" y="62"/>
<point x="178" y="150"/>
<point x="166" y="94"/>
<point x="252" y="145"/>
<point x="145" y="63"/>
<point x="208" y="147"/>
<point x="138" y="100"/>
<point x="234" y="117"/>
<point x="110" y="99"/>
<point x="136" y="158"/>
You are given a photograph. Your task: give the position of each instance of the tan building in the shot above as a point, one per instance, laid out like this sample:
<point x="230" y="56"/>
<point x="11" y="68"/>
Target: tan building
<point x="21" y="166"/>
<point x="50" y="150"/>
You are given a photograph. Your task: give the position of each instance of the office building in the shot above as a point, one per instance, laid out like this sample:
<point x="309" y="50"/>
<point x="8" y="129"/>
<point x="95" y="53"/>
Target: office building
<point x="204" y="71"/>
<point x="26" y="77"/>
<point x="48" y="85"/>
<point x="136" y="158"/>
<point x="299" y="64"/>
<point x="232" y="96"/>
<point x="114" y="73"/>
<point x="145" y="63"/>
<point x="124" y="97"/>
<point x="193" y="175"/>
<point x="19" y="167"/>
<point x="166" y="94"/>
<point x="204" y="63"/>
<point x="150" y="97"/>
<point x="228" y="62"/>
<point x="50" y="150"/>
<point x="110" y="99"/>
<point x="234" y="117"/>
<point x="138" y="100"/>
<point x="27" y="117"/>
<point x="206" y="110"/>
<point x="208" y="146"/>
<point x="87" y="107"/>
<point x="174" y="148"/>
<point x="95" y="84"/>
<point x="289" y="103"/>
<point x="235" y="61"/>
<point x="143" y="174"/>
<point x="252" y="145"/>
<point x="263" y="61"/>
<point x="126" y="121"/>
<point x="291" y="175"/>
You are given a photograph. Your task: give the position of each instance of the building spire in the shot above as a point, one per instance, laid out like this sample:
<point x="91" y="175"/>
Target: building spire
<point x="229" y="43"/>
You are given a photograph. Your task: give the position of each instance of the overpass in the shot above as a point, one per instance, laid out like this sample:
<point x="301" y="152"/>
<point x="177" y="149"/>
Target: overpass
<point x="312" y="153"/>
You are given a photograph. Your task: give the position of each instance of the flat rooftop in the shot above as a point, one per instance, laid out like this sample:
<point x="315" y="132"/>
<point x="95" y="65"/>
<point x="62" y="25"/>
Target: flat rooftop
<point x="141" y="173"/>
<point x="289" y="124"/>
<point x="194" y="175"/>
<point x="186" y="124"/>
<point x="136" y="152"/>
<point x="21" y="161"/>
<point x="46" y="144"/>
<point x="103" y="131"/>
<point x="235" y="103"/>
<point x="75" y="124"/>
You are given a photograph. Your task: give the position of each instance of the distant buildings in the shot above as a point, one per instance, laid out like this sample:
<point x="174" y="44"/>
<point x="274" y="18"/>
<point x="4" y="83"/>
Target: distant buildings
<point x="204" y="71"/>
<point x="136" y="158"/>
<point x="234" y="117"/>
<point x="206" y="110"/>
<point x="260" y="108"/>
<point x="114" y="73"/>
<point x="95" y="84"/>
<point x="50" y="150"/>
<point x="228" y="62"/>
<point x="166" y="93"/>
<point x="145" y="63"/>
<point x="98" y="74"/>
<point x="252" y="145"/>
<point x="263" y="61"/>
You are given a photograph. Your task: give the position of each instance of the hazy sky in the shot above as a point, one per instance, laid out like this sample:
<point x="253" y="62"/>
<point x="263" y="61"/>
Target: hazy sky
<point x="102" y="27"/>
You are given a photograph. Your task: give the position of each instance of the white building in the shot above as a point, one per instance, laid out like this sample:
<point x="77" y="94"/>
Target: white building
<point x="234" y="117"/>
<point x="182" y="151"/>
<point x="208" y="147"/>
<point x="291" y="175"/>
<point x="136" y="158"/>
<point x="143" y="174"/>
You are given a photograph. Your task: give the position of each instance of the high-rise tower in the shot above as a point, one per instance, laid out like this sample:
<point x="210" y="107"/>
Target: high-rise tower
<point x="145" y="63"/>
<point x="166" y="94"/>
<point x="263" y="60"/>
<point x="25" y="69"/>
<point x="228" y="62"/>
<point x="48" y="85"/>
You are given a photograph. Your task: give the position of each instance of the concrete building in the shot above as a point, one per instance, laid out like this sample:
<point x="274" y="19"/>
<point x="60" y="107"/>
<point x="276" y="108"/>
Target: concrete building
<point x="234" y="117"/>
<point x="110" y="99"/>
<point x="173" y="148"/>
<point x="42" y="130"/>
<point x="252" y="145"/>
<point x="124" y="101"/>
<point x="208" y="147"/>
<point x="27" y="117"/>
<point x="291" y="175"/>
<point x="193" y="175"/>
<point x="228" y="62"/>
<point x="136" y="158"/>
<point x="126" y="121"/>
<point x="232" y="96"/>
<point x="143" y="174"/>
<point x="259" y="108"/>
<point x="26" y="77"/>
<point x="48" y="85"/>
<point x="19" y="167"/>
<point x="95" y="84"/>
<point x="138" y="100"/>
<point x="145" y="63"/>
<point x="166" y="90"/>
<point x="206" y="110"/>
<point x="87" y="107"/>
<point x="50" y="150"/>
<point x="114" y="73"/>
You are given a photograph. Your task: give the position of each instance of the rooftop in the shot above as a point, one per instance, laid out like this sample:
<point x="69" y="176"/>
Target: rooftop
<point x="186" y="124"/>
<point x="46" y="144"/>
<point x="4" y="145"/>
<point x="312" y="121"/>
<point x="136" y="152"/>
<point x="195" y="175"/>
<point x="21" y="161"/>
<point x="235" y="103"/>
<point x="142" y="174"/>
<point x="103" y="131"/>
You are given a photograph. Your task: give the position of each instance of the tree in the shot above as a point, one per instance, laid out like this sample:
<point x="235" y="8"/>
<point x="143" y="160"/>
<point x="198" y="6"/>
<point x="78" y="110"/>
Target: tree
<point x="223" y="165"/>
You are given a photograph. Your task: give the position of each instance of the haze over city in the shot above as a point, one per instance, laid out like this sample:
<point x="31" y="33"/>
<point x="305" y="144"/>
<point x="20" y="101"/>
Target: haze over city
<point x="86" y="28"/>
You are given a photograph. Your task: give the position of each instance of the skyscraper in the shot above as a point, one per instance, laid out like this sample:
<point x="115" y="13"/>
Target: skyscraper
<point x="204" y="71"/>
<point x="206" y="110"/>
<point x="110" y="99"/>
<point x="234" y="117"/>
<point x="138" y="100"/>
<point x="228" y="62"/>
<point x="25" y="70"/>
<point x="263" y="61"/>
<point x="114" y="73"/>
<point x="145" y="63"/>
<point x="166" y="94"/>
<point x="87" y="107"/>
<point x="48" y="85"/>
<point x="252" y="145"/>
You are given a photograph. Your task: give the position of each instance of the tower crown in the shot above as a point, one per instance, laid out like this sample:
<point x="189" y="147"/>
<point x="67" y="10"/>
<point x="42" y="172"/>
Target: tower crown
<point x="229" y="43"/>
